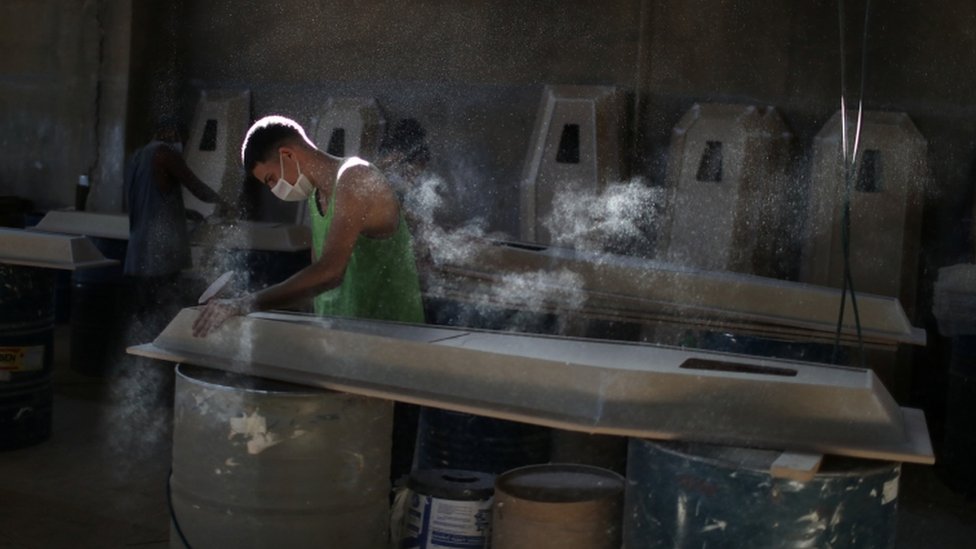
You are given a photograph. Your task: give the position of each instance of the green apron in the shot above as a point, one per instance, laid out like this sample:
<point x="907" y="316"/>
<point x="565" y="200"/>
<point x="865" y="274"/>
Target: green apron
<point x="381" y="278"/>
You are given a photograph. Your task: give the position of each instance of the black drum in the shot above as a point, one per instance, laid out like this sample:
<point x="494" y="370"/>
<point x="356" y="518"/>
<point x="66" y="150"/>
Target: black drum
<point x="26" y="355"/>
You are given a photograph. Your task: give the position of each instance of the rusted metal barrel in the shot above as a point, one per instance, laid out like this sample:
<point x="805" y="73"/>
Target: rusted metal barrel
<point x="259" y="463"/>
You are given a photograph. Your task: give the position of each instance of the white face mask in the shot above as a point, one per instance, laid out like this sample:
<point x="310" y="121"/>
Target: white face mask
<point x="288" y="192"/>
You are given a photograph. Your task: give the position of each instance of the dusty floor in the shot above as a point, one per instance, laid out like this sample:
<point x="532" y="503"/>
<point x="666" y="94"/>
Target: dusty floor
<point x="100" y="481"/>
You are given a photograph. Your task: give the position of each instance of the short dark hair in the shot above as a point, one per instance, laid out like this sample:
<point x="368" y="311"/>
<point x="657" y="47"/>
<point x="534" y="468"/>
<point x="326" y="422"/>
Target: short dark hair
<point x="266" y="135"/>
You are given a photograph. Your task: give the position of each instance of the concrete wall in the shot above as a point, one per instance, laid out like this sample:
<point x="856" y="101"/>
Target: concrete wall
<point x="47" y="104"/>
<point x="62" y="78"/>
<point x="473" y="74"/>
<point x="919" y="60"/>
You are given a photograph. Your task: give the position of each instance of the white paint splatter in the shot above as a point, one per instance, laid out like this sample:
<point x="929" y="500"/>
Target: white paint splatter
<point x="793" y="486"/>
<point x="817" y="525"/>
<point x="817" y="522"/>
<point x="714" y="524"/>
<point x="837" y="516"/>
<point x="890" y="491"/>
<point x="201" y="401"/>
<point x="254" y="427"/>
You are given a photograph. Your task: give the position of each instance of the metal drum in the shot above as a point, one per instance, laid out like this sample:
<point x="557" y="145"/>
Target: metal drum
<point x="695" y="495"/>
<point x="455" y="440"/>
<point x="447" y="508"/>
<point x="557" y="506"/>
<point x="26" y="355"/>
<point x="258" y="463"/>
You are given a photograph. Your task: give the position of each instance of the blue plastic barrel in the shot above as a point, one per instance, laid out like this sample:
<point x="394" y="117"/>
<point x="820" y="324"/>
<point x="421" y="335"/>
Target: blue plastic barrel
<point x="455" y="440"/>
<point x="26" y="355"/>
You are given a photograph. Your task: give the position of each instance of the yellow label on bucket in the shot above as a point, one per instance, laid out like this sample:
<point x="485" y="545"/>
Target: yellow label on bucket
<point x="21" y="359"/>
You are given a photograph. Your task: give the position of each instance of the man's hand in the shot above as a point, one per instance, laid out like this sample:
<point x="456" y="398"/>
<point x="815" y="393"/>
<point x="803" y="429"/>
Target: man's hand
<point x="217" y="311"/>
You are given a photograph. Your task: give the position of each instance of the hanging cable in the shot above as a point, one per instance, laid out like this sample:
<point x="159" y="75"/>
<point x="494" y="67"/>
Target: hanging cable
<point x="849" y="159"/>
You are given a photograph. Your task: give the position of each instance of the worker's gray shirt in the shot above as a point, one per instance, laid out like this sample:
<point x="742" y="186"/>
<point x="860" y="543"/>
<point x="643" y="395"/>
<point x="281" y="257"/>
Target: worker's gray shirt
<point x="158" y="240"/>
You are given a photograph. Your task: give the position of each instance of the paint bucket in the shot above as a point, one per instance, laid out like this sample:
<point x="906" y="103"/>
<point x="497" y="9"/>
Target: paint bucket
<point x="99" y="307"/>
<point x="558" y="506"/>
<point x="259" y="463"/>
<point x="683" y="495"/>
<point x="447" y="508"/>
<point x="455" y="440"/>
<point x="26" y="355"/>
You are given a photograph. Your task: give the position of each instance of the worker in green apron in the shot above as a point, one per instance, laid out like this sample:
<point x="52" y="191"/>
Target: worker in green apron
<point x="363" y="263"/>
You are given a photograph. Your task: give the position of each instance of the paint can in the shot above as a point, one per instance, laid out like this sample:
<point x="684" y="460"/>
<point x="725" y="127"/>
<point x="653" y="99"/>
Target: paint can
<point x="456" y="440"/>
<point x="558" y="506"/>
<point x="686" y="495"/>
<point x="260" y="463"/>
<point x="26" y="355"/>
<point x="447" y="508"/>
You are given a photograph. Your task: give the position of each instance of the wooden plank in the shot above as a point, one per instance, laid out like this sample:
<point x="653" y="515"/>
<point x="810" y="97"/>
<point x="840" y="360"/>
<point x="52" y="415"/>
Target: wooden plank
<point x="796" y="466"/>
